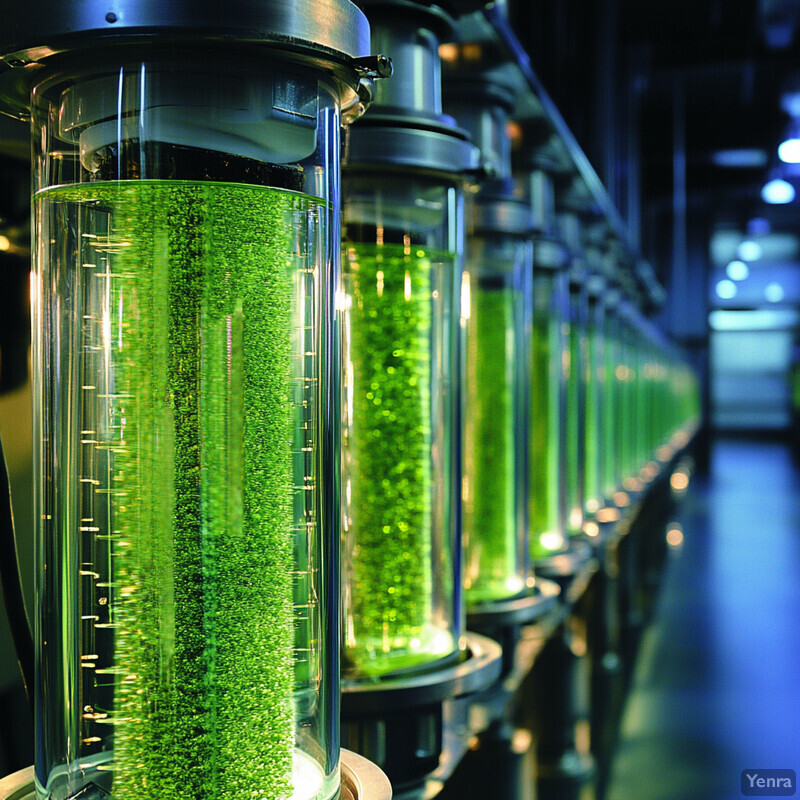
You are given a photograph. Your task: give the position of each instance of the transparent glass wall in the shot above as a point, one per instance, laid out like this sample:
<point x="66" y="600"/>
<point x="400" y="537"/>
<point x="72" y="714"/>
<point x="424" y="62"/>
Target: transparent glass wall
<point x="496" y="317"/>
<point x="547" y="426"/>
<point x="185" y="456"/>
<point x="573" y="361"/>
<point x="594" y="381"/>
<point x="401" y="439"/>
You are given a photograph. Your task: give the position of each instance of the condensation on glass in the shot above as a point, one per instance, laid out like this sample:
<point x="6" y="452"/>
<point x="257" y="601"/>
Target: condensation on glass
<point x="186" y="233"/>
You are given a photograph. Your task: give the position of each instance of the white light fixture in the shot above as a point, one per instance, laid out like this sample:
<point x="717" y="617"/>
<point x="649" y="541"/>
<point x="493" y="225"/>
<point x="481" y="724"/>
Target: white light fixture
<point x="749" y="250"/>
<point x="737" y="270"/>
<point x="774" y="292"/>
<point x="777" y="192"/>
<point x="789" y="151"/>
<point x="726" y="289"/>
<point x="741" y="157"/>
<point x="762" y="319"/>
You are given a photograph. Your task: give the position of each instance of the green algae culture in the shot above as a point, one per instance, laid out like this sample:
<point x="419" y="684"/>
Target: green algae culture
<point x="398" y="360"/>
<point x="592" y="416"/>
<point x="493" y="467"/>
<point x="183" y="487"/>
<point x="573" y="422"/>
<point x="546" y="417"/>
<point x="610" y="391"/>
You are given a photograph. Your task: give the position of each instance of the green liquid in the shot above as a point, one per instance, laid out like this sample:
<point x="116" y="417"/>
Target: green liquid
<point x="608" y="421"/>
<point x="546" y="536"/>
<point x="188" y="381"/>
<point x="574" y="490"/>
<point x="592" y="493"/>
<point x="490" y="429"/>
<point x="394" y="321"/>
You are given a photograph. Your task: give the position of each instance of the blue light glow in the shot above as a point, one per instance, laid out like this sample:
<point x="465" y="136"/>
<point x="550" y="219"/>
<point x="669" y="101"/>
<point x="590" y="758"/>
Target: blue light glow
<point x="742" y="157"/>
<point x="774" y="292"/>
<point x="749" y="250"/>
<point x="777" y="192"/>
<point x="726" y="289"/>
<point x="789" y="151"/>
<point x="737" y="270"/>
<point x="761" y="319"/>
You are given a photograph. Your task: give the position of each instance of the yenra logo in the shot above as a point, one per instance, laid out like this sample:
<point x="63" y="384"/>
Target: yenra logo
<point x="769" y="782"/>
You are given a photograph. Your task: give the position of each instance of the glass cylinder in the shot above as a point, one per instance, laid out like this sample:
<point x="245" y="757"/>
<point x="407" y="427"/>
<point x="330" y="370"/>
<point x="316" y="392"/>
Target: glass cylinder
<point x="547" y="410"/>
<point x="573" y="358"/>
<point x="403" y="236"/>
<point x="610" y="390"/>
<point x="594" y="395"/>
<point x="496" y="317"/>
<point x="186" y="218"/>
<point x="629" y="407"/>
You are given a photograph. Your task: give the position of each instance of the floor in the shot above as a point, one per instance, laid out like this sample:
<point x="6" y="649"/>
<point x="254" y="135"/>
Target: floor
<point x="716" y="688"/>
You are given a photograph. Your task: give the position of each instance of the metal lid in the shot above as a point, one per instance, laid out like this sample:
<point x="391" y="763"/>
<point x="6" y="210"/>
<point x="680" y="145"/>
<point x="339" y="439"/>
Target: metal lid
<point x="33" y="31"/>
<point x="503" y="214"/>
<point x="430" y="152"/>
<point x="549" y="253"/>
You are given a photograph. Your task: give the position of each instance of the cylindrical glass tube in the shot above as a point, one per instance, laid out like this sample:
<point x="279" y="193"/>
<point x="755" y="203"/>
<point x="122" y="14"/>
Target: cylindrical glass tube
<point x="630" y="398"/>
<point x="574" y="376"/>
<point x="610" y="386"/>
<point x="401" y="443"/>
<point x="547" y="429"/>
<point x="593" y="403"/>
<point x="496" y="318"/>
<point x="185" y="400"/>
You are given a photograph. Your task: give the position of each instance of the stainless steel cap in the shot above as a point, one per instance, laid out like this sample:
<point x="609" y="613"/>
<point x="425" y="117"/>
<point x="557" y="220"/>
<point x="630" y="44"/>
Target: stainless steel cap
<point x="33" y="31"/>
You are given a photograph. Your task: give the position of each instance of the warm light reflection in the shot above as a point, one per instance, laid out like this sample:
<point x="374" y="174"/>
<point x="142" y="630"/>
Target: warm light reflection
<point x="379" y="282"/>
<point x="664" y="453"/>
<point x="583" y="737"/>
<point x="521" y="741"/>
<point x="674" y="535"/>
<point x="466" y="298"/>
<point x="649" y="471"/>
<point x="591" y="528"/>
<point x="605" y="515"/>
<point x="575" y="518"/>
<point x="578" y="644"/>
<point x="681" y="439"/>
<point x="632" y="484"/>
<point x="679" y="481"/>
<point x="621" y="499"/>
<point x="472" y="51"/>
<point x="551" y="540"/>
<point x="448" y="52"/>
<point x="5" y="243"/>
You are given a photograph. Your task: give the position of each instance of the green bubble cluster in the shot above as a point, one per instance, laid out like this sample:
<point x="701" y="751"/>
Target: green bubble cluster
<point x="546" y="534"/>
<point x="389" y="463"/>
<point x="193" y="288"/>
<point x="490" y="526"/>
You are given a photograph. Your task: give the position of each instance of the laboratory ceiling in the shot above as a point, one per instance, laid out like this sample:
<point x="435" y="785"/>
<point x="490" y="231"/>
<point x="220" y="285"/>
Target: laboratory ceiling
<point x="657" y="93"/>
